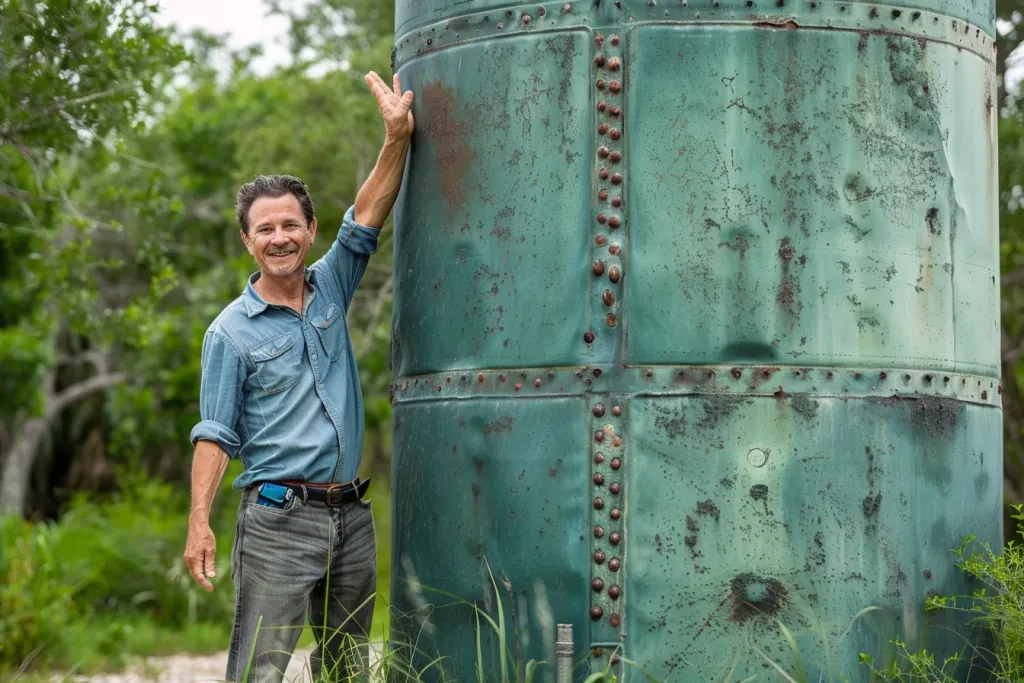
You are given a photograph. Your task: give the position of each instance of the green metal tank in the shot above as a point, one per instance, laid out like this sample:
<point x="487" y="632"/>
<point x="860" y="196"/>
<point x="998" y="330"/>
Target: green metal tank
<point x="696" y="331"/>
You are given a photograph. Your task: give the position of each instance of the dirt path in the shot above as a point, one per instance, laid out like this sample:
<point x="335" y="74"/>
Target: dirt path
<point x="189" y="669"/>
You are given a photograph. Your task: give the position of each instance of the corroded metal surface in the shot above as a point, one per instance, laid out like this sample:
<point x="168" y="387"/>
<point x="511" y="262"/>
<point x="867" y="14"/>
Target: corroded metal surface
<point x="696" y="327"/>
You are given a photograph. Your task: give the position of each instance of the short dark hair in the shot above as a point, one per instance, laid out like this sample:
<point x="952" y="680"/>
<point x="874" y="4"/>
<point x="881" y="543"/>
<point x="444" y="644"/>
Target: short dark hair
<point x="271" y="186"/>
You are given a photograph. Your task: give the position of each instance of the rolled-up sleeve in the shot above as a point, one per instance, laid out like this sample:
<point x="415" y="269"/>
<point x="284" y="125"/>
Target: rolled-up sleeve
<point x="350" y="254"/>
<point x="220" y="394"/>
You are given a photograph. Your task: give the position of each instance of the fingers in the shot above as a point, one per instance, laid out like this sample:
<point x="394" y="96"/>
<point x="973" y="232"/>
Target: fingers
<point x="195" y="562"/>
<point x="397" y="85"/>
<point x="405" y="103"/>
<point x="210" y="562"/>
<point x="377" y="87"/>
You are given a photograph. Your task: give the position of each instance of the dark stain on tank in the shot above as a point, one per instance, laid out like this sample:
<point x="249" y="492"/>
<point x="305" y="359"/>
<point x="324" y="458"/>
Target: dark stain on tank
<point x="871" y="504"/>
<point x="804" y="406"/>
<point x="673" y="427"/>
<point x="726" y="482"/>
<point x="478" y="463"/>
<point x="450" y="138"/>
<point x="553" y="472"/>
<point x="476" y="495"/>
<point x="873" y="468"/>
<point x="707" y="507"/>
<point x="754" y="595"/>
<point x="739" y="245"/>
<point x="937" y="416"/>
<point x="503" y="424"/>
<point x="931" y="219"/>
<point x="759" y="492"/>
<point x="716" y="408"/>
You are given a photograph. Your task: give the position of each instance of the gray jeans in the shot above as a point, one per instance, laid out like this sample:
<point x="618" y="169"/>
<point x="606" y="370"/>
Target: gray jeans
<point x="304" y="561"/>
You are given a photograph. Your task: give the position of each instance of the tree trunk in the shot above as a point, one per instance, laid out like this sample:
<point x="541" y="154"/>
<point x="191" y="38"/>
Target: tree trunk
<point x="14" y="481"/>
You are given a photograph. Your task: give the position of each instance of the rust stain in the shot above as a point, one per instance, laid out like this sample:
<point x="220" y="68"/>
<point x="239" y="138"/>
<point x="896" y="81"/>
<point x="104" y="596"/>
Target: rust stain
<point x="440" y="126"/>
<point x="777" y="24"/>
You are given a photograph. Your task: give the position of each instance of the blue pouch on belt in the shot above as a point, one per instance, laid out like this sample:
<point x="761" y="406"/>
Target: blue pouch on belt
<point x="274" y="495"/>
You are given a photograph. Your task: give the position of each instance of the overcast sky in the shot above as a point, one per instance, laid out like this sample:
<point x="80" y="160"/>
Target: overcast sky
<point x="243" y="21"/>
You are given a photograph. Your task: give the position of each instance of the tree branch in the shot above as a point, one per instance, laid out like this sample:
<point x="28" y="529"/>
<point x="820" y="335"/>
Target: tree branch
<point x="76" y="392"/>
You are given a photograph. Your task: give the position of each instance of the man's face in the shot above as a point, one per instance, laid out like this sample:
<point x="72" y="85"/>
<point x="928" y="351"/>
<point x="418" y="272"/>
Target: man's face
<point x="278" y="235"/>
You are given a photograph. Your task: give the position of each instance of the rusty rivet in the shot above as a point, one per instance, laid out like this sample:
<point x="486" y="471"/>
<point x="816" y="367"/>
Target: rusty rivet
<point x="501" y="377"/>
<point x="541" y="11"/>
<point x="600" y="84"/>
<point x="615" y="513"/>
<point x="500" y="25"/>
<point x="882" y="374"/>
<point x="737" y="373"/>
<point x="602" y="152"/>
<point x="480" y="377"/>
<point x="616" y="463"/>
<point x="615" y="620"/>
<point x="616" y="411"/>
<point x="615" y="659"/>
<point x="611" y="321"/>
<point x="616" y="202"/>
<point x="598" y="458"/>
<point x="615" y="538"/>
<point x="599" y="557"/>
<point x="984" y="396"/>
<point x="614" y="134"/>
<point x="601" y="240"/>
<point x="615" y="111"/>
<point x="602" y="219"/>
<point x="614" y="63"/>
<point x="609" y="298"/>
<point x="597" y="585"/>
<point x="448" y="379"/>
<point x="519" y="386"/>
<point x="604" y="174"/>
<point x="615" y="40"/>
<point x="598" y="270"/>
<point x="599" y="38"/>
<point x="598" y="532"/>
<point x="616" y="179"/>
<point x="599" y="62"/>
<point x="597" y="373"/>
<point x="598" y="479"/>
<point x="588" y="337"/>
<point x="599" y="435"/>
<point x="598" y="503"/>
<point x="615" y="157"/>
<point x="602" y="105"/>
<point x="615" y="86"/>
<point x="596" y="612"/>
<point x="430" y="41"/>
<point x="599" y="410"/>
<point x="526" y="20"/>
<point x="602" y="128"/>
<point x="614" y="222"/>
<point x="597" y="652"/>
<point x="614" y="249"/>
<point x="615" y="488"/>
<point x="614" y="274"/>
<point x="766" y="373"/>
<point x="537" y="382"/>
<point x="602" y="195"/>
<point x="439" y="387"/>
<point x="614" y="592"/>
<point x="614" y="564"/>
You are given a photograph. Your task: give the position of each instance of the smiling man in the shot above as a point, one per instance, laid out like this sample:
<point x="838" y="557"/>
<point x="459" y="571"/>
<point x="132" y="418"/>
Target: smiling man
<point x="280" y="390"/>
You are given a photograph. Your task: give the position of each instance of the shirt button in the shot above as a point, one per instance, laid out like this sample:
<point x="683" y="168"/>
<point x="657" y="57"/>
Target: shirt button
<point x="321" y="386"/>
<point x="314" y="355"/>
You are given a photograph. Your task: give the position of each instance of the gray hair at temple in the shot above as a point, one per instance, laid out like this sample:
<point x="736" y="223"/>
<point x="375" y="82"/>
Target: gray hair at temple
<point x="271" y="186"/>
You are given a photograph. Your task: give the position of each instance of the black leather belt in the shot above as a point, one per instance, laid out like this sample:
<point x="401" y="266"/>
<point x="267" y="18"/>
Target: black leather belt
<point x="331" y="495"/>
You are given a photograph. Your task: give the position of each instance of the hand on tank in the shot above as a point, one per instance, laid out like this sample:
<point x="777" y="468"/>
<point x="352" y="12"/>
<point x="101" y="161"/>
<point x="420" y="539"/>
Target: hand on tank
<point x="394" y="106"/>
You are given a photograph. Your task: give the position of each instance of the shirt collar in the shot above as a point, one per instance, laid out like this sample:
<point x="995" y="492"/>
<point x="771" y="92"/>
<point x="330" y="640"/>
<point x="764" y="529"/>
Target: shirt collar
<point x="254" y="303"/>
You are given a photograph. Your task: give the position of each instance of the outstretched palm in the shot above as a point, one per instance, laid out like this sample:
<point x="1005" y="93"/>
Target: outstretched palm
<point x="394" y="106"/>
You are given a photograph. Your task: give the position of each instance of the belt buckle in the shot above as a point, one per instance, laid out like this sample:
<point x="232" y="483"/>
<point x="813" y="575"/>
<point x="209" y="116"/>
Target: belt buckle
<point x="335" y="495"/>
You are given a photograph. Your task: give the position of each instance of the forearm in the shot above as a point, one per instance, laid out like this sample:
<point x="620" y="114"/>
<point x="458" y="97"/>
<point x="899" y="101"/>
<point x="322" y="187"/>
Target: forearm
<point x="378" y="194"/>
<point x="208" y="466"/>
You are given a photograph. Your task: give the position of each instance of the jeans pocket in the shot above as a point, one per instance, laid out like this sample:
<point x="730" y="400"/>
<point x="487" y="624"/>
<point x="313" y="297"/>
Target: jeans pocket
<point x="278" y="364"/>
<point x="331" y="329"/>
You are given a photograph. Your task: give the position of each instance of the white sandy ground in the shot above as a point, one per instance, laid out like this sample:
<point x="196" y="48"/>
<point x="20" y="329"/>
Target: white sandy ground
<point x="188" y="669"/>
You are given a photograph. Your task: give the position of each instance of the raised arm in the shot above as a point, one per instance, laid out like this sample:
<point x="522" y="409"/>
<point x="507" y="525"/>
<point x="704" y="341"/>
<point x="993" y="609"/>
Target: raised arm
<point x="378" y="194"/>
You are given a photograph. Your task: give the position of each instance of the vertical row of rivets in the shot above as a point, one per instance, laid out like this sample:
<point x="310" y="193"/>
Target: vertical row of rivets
<point x="609" y="219"/>
<point x="608" y="532"/>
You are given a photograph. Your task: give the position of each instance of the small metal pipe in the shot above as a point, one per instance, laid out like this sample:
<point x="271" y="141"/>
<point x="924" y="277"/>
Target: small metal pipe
<point x="564" y="650"/>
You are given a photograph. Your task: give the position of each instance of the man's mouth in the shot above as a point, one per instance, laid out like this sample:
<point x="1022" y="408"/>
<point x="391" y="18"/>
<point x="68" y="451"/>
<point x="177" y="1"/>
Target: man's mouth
<point x="283" y="254"/>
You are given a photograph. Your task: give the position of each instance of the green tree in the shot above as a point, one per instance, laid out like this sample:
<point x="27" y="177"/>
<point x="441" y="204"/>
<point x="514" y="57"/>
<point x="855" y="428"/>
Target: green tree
<point x="73" y="75"/>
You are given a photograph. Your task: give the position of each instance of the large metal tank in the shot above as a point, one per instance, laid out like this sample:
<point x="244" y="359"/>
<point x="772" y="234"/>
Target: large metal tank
<point x="696" y="329"/>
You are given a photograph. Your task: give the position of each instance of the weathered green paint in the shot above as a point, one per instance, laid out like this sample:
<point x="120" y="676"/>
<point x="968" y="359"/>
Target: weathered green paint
<point x="794" y="367"/>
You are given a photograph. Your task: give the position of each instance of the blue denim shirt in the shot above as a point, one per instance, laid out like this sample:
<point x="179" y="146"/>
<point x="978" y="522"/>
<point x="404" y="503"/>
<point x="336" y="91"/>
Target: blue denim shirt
<point x="281" y="391"/>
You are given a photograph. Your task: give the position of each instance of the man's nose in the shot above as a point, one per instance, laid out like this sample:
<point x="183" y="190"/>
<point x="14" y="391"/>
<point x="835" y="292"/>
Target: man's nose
<point x="280" y="237"/>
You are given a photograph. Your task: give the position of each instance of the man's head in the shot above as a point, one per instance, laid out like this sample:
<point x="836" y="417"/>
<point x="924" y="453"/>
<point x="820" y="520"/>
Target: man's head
<point x="276" y="216"/>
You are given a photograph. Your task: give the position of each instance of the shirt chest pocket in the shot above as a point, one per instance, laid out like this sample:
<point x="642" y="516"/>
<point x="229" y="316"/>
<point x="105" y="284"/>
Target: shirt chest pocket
<point x="331" y="329"/>
<point x="278" y="364"/>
